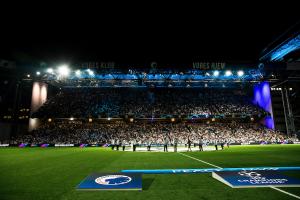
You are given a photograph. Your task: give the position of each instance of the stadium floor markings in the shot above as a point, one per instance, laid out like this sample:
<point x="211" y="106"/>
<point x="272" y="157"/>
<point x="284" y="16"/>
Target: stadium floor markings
<point x="201" y="161"/>
<point x="285" y="192"/>
<point x="274" y="188"/>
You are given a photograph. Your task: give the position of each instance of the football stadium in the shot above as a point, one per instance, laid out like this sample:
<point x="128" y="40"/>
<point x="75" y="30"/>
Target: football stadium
<point x="202" y="129"/>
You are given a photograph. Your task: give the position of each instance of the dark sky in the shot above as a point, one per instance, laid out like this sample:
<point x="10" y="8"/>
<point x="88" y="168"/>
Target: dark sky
<point x="144" y="34"/>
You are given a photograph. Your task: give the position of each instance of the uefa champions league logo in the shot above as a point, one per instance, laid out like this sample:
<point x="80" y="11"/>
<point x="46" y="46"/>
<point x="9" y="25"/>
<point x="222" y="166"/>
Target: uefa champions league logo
<point x="256" y="178"/>
<point x="113" y="180"/>
<point x="253" y="175"/>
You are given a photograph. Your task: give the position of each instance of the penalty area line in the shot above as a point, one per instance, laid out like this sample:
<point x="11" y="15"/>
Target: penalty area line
<point x="274" y="188"/>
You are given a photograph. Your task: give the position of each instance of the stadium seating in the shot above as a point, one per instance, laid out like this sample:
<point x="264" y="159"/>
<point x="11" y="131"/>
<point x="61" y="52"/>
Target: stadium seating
<point x="155" y="133"/>
<point x="142" y="102"/>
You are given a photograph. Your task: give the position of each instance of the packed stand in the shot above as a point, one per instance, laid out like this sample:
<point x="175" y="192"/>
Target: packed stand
<point x="154" y="133"/>
<point x="146" y="103"/>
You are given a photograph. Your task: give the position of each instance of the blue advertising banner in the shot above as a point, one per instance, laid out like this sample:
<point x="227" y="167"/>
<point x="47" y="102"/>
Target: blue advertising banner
<point x="111" y="181"/>
<point x="245" y="179"/>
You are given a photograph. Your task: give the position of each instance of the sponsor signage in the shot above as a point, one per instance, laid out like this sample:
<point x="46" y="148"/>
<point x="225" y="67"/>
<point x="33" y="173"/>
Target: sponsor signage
<point x="64" y="145"/>
<point x="207" y="170"/>
<point x="248" y="178"/>
<point x="209" y="65"/>
<point x="111" y="181"/>
<point x="22" y="145"/>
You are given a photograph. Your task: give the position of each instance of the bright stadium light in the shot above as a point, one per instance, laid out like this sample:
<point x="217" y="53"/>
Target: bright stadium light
<point x="38" y="73"/>
<point x="50" y="70"/>
<point x="71" y="118"/>
<point x="240" y="73"/>
<point x="228" y="73"/>
<point x="108" y="118"/>
<point x="63" y="70"/>
<point x="78" y="72"/>
<point x="207" y="74"/>
<point x="91" y="73"/>
<point x="216" y="73"/>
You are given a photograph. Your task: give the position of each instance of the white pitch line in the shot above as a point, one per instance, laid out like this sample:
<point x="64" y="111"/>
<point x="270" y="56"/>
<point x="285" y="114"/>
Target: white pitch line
<point x="201" y="161"/>
<point x="275" y="188"/>
<point x="285" y="192"/>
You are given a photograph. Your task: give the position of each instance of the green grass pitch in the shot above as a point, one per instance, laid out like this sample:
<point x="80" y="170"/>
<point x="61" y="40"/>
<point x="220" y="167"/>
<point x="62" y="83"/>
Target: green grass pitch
<point x="53" y="173"/>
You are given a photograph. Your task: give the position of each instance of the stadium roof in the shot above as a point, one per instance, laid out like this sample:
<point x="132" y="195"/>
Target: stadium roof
<point x="283" y="46"/>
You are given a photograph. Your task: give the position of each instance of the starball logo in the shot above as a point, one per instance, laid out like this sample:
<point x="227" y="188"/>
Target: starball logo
<point x="253" y="177"/>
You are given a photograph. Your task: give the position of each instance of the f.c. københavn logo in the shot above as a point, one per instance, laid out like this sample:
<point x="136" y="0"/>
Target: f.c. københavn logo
<point x="113" y="180"/>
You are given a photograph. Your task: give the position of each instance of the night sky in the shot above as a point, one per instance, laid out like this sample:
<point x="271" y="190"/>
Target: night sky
<point x="145" y="34"/>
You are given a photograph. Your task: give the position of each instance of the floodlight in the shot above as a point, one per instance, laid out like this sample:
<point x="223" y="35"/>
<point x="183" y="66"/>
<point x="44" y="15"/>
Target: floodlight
<point x="91" y="73"/>
<point x="63" y="70"/>
<point x="38" y="73"/>
<point x="216" y="73"/>
<point x="240" y="73"/>
<point x="78" y="72"/>
<point x="228" y="73"/>
<point x="50" y="70"/>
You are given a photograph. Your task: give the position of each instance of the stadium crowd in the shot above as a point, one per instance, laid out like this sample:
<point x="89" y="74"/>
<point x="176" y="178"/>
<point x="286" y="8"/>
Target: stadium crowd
<point x="145" y="102"/>
<point x="154" y="133"/>
<point x="148" y="103"/>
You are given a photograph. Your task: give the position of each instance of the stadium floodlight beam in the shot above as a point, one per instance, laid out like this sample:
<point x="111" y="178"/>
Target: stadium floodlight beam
<point x="228" y="73"/>
<point x="240" y="73"/>
<point x="50" y="70"/>
<point x="216" y="73"/>
<point x="63" y="70"/>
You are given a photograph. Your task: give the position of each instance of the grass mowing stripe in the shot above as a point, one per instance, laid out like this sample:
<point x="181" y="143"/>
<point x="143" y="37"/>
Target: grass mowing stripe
<point x="275" y="188"/>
